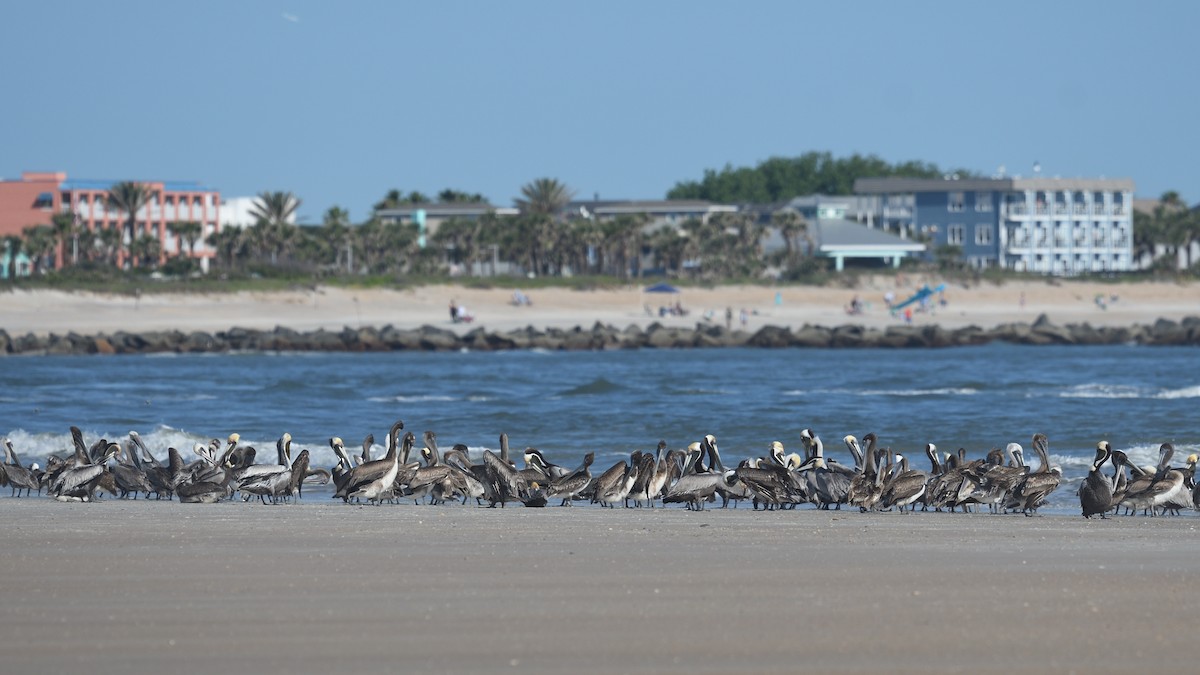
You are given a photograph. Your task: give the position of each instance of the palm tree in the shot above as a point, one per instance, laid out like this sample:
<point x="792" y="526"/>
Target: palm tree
<point x="40" y="243"/>
<point x="188" y="231"/>
<point x="335" y="230"/>
<point x="14" y="249"/>
<point x="545" y="196"/>
<point x="229" y="243"/>
<point x="276" y="208"/>
<point x="128" y="197"/>
<point x="145" y="249"/>
<point x="449" y="196"/>
<point x="395" y="199"/>
<point x="274" y="230"/>
<point x="793" y="228"/>
<point x="65" y="231"/>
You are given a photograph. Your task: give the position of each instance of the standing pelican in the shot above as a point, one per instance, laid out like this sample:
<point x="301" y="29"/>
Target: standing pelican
<point x="429" y="479"/>
<point x="128" y="474"/>
<point x="373" y="480"/>
<point x="697" y="484"/>
<point x="1032" y="492"/>
<point x="19" y="477"/>
<point x="502" y="483"/>
<point x="280" y="484"/>
<point x="828" y="486"/>
<point x="904" y="487"/>
<point x="1096" y="492"/>
<point x="568" y="487"/>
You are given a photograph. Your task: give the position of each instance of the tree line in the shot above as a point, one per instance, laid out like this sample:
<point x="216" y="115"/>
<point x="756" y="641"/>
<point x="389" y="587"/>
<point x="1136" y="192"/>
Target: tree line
<point x="542" y="239"/>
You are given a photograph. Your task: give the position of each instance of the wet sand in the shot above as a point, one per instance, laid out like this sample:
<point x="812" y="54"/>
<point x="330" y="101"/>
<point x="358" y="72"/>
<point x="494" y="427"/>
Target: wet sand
<point x="136" y="587"/>
<point x="985" y="305"/>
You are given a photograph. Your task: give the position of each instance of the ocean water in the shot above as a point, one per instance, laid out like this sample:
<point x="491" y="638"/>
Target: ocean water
<point x="611" y="403"/>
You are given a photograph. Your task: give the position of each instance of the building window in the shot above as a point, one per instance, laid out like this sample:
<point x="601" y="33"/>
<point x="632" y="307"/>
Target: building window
<point x="983" y="235"/>
<point x="954" y="201"/>
<point x="955" y="234"/>
<point x="983" y="202"/>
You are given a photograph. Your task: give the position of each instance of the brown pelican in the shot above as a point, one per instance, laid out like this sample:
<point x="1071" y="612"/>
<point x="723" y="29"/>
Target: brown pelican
<point x="570" y="486"/>
<point x="1096" y="492"/>
<point x="862" y="492"/>
<point x="1153" y="490"/>
<point x="283" y="451"/>
<point x="341" y="470"/>
<point x="367" y="444"/>
<point x="696" y="484"/>
<point x="534" y="459"/>
<point x="128" y="474"/>
<point x="464" y="478"/>
<point x="608" y="485"/>
<point x="502" y="482"/>
<point x="429" y="479"/>
<point x="1031" y="493"/>
<point x="275" y="485"/>
<point x="19" y="477"/>
<point x="662" y="473"/>
<point x="905" y="487"/>
<point x="373" y="480"/>
<point x="1120" y="480"/>
<point x="770" y="483"/>
<point x="729" y="487"/>
<point x="77" y="483"/>
<point x="1181" y="498"/>
<point x="209" y="485"/>
<point x="997" y="480"/>
<point x="827" y="485"/>
<point x="647" y="468"/>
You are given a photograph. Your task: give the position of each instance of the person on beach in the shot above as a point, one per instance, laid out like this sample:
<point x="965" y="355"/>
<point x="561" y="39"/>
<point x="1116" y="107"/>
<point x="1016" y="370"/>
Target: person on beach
<point x="453" y="312"/>
<point x="728" y="318"/>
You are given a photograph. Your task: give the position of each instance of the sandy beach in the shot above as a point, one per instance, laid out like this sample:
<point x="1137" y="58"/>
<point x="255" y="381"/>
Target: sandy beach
<point x="119" y="587"/>
<point x="986" y="305"/>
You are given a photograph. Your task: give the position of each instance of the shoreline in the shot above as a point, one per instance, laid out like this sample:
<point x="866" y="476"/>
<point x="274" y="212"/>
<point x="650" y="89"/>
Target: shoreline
<point x="330" y="318"/>
<point x="317" y="587"/>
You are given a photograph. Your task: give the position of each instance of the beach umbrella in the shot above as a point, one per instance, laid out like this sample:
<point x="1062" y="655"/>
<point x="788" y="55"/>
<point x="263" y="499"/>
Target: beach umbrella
<point x="661" y="288"/>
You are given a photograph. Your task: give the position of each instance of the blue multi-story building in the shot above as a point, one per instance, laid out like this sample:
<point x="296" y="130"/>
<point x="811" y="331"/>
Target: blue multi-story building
<point x="1048" y="225"/>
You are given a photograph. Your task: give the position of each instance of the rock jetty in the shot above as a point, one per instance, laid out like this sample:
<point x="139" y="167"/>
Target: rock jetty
<point x="599" y="337"/>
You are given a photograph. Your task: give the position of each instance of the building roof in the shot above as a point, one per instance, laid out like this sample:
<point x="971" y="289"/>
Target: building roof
<point x="168" y="185"/>
<point x="904" y="185"/>
<point x="619" y="206"/>
<point x="450" y="210"/>
<point x="838" y="234"/>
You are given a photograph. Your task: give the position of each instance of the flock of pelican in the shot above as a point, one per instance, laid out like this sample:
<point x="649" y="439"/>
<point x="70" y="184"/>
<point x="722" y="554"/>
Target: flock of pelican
<point x="880" y="479"/>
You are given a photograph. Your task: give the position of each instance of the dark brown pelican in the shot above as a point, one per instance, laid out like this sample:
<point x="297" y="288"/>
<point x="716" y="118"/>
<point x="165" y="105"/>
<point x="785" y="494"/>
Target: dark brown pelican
<point x="906" y="486"/>
<point x="502" y="483"/>
<point x="696" y="484"/>
<point x="571" y="485"/>
<point x="429" y="479"/>
<point x="128" y="474"/>
<point x="276" y="485"/>
<point x="17" y="476"/>
<point x="373" y="480"/>
<point x="829" y="486"/>
<point x="78" y="482"/>
<point x="1032" y="492"/>
<point x="1096" y="492"/>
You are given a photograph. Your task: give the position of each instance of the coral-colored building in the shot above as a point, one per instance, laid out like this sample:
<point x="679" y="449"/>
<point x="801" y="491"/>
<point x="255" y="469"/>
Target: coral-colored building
<point x="36" y="197"/>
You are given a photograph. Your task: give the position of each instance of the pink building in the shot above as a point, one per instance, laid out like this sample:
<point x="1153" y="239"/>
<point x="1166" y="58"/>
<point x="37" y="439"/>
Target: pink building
<point x="36" y="197"/>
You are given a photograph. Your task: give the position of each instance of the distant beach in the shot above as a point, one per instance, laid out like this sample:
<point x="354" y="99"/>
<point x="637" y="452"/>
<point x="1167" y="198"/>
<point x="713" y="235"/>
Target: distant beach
<point x="985" y="305"/>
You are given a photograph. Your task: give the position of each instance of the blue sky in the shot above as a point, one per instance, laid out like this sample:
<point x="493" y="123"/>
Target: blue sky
<point x="340" y="102"/>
